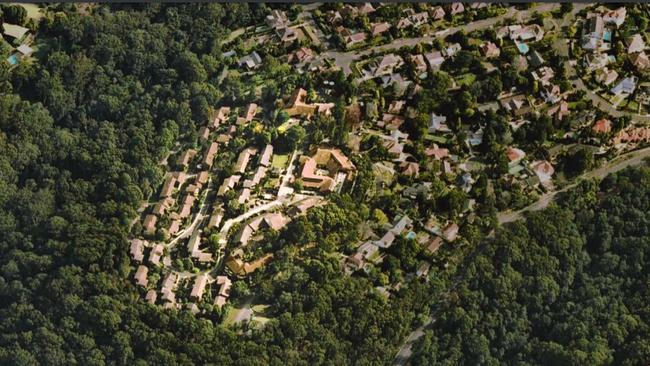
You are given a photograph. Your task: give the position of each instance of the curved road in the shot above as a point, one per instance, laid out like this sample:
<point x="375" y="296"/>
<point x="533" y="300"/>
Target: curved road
<point x="621" y="162"/>
<point x="344" y="59"/>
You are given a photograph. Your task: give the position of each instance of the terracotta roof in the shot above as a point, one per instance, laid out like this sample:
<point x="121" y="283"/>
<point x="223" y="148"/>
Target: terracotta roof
<point x="141" y="276"/>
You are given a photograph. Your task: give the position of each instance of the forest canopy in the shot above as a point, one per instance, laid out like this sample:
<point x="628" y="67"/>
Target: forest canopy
<point x="567" y="286"/>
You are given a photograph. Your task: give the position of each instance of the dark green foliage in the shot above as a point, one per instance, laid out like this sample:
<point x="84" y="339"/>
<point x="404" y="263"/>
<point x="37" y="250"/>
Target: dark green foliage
<point x="568" y="286"/>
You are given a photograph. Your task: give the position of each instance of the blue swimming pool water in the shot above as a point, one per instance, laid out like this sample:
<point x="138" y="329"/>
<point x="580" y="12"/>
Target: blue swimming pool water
<point x="607" y="36"/>
<point x="13" y="60"/>
<point x="523" y="48"/>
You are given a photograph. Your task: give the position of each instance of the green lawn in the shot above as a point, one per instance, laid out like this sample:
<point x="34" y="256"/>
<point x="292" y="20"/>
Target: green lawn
<point x="33" y="11"/>
<point x="437" y="139"/>
<point x="280" y="161"/>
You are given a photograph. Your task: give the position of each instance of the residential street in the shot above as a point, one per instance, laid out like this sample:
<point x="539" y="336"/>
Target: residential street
<point x="344" y="59"/>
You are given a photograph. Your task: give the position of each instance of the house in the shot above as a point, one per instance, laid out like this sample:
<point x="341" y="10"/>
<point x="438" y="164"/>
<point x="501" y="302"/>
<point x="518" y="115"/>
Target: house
<point x="616" y="17"/>
<point x="434" y="244"/>
<point x="438" y="124"/>
<point x="640" y="60"/>
<point x="437" y="13"/>
<point x="635" y="44"/>
<point x="418" y="63"/>
<point x="434" y="59"/>
<point x="395" y="106"/>
<point x="514" y="155"/>
<point x="244" y="196"/>
<point x="277" y="19"/>
<point x="543" y="75"/>
<point x="202" y="177"/>
<point x="137" y="249"/>
<point x="338" y="169"/>
<point x="531" y="32"/>
<point x="455" y="8"/>
<point x="174" y="226"/>
<point x="334" y="17"/>
<point x="241" y="268"/>
<point x="602" y="126"/>
<point x="274" y="221"/>
<point x="595" y="61"/>
<point x="149" y="224"/>
<point x="451" y="50"/>
<point x="16" y="32"/>
<point x="633" y="135"/>
<point x="302" y="207"/>
<point x="251" y="61"/>
<point x="303" y="54"/>
<point x="25" y="50"/>
<point x="490" y="50"/>
<point x="410" y="169"/>
<point x="387" y="240"/>
<point x="438" y="153"/>
<point x="404" y="23"/>
<point x="365" y="8"/>
<point x="476" y="6"/>
<point x="185" y="158"/>
<point x="194" y="250"/>
<point x="625" y="86"/>
<point x="162" y="206"/>
<point x="215" y="219"/>
<point x="199" y="286"/>
<point x="514" y="105"/>
<point x="204" y="133"/>
<point x="219" y="117"/>
<point x="544" y="171"/>
<point x="391" y="121"/>
<point x="551" y="93"/>
<point x="249" y="113"/>
<point x="167" y="290"/>
<point x="286" y="35"/>
<point x="419" y="19"/>
<point x="388" y="63"/>
<point x="592" y="37"/>
<point x="141" y="275"/>
<point x="559" y="111"/>
<point x="379" y="28"/>
<point x="228" y="184"/>
<point x="265" y="157"/>
<point x="450" y="233"/>
<point x="155" y="254"/>
<point x="243" y="159"/>
<point x="297" y="105"/>
<point x="352" y="39"/>
<point x="151" y="296"/>
<point x="224" y="291"/>
<point x="186" y="206"/>
<point x="210" y="153"/>
<point x="606" y="76"/>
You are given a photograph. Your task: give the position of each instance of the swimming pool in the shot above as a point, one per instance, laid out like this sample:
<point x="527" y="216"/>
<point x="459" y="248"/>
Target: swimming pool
<point x="607" y="36"/>
<point x="523" y="48"/>
<point x="13" y="60"/>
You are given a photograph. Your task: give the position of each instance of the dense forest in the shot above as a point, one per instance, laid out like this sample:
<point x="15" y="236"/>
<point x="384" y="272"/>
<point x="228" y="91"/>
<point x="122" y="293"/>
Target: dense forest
<point x="82" y="132"/>
<point x="568" y="286"/>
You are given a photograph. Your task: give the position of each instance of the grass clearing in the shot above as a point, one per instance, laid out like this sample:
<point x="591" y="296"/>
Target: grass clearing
<point x="466" y="79"/>
<point x="280" y="161"/>
<point x="33" y="11"/>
